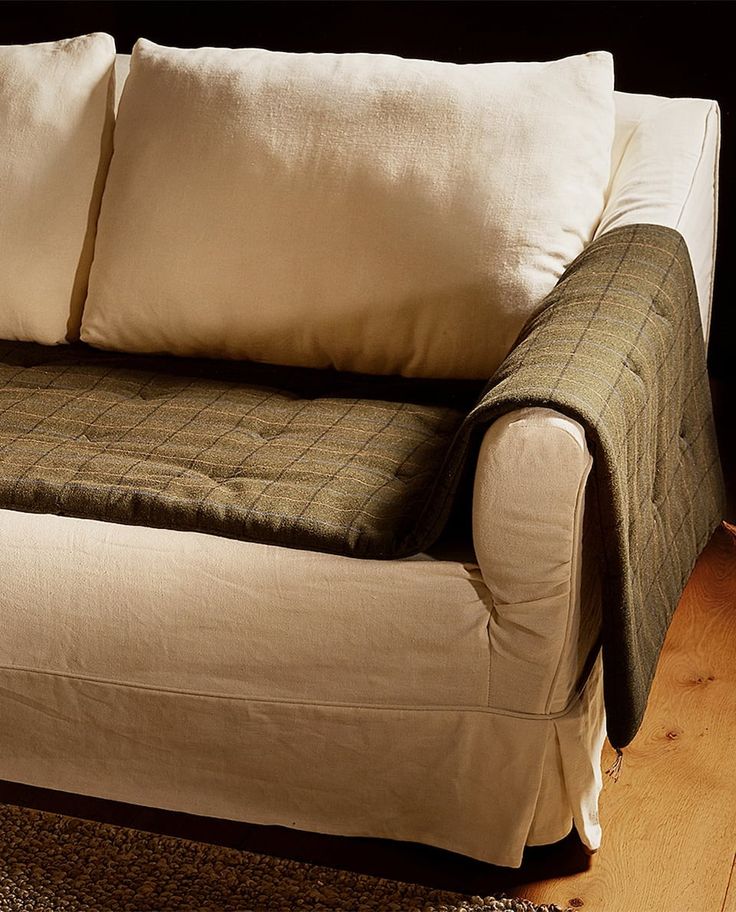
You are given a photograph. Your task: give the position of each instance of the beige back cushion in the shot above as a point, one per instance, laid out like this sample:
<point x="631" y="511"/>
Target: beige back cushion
<point x="358" y="211"/>
<point x="56" y="122"/>
<point x="664" y="171"/>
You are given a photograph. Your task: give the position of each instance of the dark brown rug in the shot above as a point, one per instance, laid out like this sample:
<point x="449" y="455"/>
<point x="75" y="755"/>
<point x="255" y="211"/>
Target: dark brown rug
<point x="50" y="863"/>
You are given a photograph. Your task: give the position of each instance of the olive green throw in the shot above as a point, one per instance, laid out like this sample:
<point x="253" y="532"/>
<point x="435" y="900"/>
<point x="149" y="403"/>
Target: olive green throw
<point x="296" y="457"/>
<point x="619" y="347"/>
<point x="369" y="466"/>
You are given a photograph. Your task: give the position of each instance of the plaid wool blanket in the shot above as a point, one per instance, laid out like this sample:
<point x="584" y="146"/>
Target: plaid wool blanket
<point x="619" y="347"/>
<point x="369" y="466"/>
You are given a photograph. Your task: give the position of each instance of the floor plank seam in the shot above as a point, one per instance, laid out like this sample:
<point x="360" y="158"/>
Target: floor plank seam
<point x="728" y="885"/>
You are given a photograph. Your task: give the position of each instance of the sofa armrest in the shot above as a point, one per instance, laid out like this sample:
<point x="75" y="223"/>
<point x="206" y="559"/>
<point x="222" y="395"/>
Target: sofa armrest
<point x="528" y="505"/>
<point x="618" y="346"/>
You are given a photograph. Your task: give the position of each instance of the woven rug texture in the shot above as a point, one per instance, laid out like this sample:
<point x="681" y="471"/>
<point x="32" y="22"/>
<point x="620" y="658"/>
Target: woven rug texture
<point x="50" y="863"/>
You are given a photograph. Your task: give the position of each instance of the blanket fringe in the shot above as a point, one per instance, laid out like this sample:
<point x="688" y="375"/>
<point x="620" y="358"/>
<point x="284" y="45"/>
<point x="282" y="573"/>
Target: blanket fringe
<point x="614" y="770"/>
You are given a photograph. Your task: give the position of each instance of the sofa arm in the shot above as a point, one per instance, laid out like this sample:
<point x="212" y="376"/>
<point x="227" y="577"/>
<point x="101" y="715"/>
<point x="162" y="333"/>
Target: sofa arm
<point x="618" y="347"/>
<point x="528" y="504"/>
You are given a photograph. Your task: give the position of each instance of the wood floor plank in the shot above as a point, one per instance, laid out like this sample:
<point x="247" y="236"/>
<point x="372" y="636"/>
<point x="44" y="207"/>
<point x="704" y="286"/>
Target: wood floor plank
<point x="670" y="820"/>
<point x="729" y="903"/>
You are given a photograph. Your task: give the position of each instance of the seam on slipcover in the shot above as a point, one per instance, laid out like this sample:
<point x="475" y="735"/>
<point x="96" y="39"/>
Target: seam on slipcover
<point x="407" y="707"/>
<point x="693" y="174"/>
<point x="686" y="200"/>
<point x="551" y="736"/>
<point x="583" y="820"/>
<point x="492" y="614"/>
<point x="614" y="175"/>
<point x="716" y="111"/>
<point x="688" y="194"/>
<point x="574" y="598"/>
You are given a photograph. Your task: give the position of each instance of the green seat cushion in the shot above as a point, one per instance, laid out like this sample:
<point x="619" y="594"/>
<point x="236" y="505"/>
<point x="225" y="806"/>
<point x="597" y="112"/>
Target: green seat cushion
<point x="306" y="458"/>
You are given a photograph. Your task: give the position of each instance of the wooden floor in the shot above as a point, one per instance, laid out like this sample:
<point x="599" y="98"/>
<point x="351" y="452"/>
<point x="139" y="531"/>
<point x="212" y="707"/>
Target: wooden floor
<point x="669" y="822"/>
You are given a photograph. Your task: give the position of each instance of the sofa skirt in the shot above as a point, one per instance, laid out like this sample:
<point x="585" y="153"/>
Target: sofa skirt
<point x="276" y="686"/>
<point x="478" y="782"/>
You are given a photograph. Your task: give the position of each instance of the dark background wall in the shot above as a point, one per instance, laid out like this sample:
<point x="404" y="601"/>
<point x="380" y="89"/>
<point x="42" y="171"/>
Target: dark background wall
<point x="664" y="47"/>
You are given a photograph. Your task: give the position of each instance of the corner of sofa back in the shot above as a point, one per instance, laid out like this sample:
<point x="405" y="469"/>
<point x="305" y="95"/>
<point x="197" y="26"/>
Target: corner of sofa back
<point x="664" y="170"/>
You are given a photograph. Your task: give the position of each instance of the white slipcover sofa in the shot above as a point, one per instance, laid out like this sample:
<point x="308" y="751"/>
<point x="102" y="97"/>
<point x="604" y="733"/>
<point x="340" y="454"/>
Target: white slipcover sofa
<point x="452" y="698"/>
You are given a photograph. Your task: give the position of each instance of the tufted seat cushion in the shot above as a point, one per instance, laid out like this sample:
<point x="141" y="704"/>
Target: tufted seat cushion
<point x="317" y="459"/>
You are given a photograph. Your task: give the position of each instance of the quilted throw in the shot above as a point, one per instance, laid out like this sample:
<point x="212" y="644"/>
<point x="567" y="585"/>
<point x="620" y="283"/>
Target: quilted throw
<point x="619" y="347"/>
<point x="295" y="457"/>
<point x="369" y="466"/>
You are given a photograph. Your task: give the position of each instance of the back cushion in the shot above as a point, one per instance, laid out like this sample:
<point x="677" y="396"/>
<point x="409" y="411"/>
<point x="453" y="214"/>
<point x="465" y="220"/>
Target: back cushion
<point x="359" y="211"/>
<point x="666" y="173"/>
<point x="56" y="122"/>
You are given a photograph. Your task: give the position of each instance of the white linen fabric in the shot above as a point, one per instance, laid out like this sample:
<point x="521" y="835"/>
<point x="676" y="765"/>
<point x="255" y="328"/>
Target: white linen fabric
<point x="675" y="142"/>
<point x="664" y="171"/>
<point x="56" y="123"/>
<point x="359" y="211"/>
<point x="479" y="783"/>
<point x="279" y="686"/>
<point x="355" y="697"/>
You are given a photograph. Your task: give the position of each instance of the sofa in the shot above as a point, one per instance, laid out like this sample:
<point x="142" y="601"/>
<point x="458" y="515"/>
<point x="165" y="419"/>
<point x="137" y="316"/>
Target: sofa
<point x="449" y="693"/>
